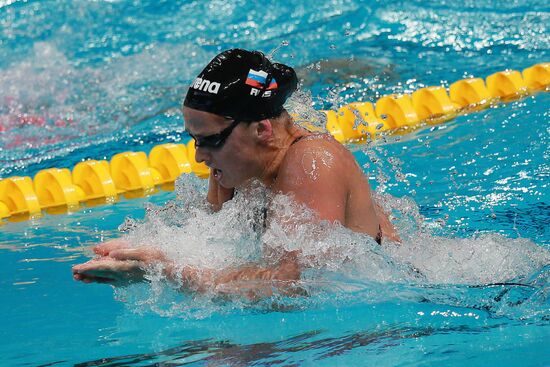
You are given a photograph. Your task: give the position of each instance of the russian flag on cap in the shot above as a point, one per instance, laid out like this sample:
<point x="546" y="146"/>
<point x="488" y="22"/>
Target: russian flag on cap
<point x="257" y="79"/>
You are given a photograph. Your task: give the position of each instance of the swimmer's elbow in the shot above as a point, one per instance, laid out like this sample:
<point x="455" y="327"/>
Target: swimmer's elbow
<point x="387" y="229"/>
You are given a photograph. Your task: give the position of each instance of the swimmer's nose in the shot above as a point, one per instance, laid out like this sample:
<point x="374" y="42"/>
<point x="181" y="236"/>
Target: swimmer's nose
<point x="201" y="154"/>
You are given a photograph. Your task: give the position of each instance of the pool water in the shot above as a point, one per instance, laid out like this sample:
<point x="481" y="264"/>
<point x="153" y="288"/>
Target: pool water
<point x="85" y="80"/>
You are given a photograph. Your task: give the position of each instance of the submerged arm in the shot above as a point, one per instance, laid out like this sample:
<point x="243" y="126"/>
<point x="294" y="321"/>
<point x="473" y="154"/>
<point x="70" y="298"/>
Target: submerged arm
<point x="120" y="265"/>
<point x="252" y="281"/>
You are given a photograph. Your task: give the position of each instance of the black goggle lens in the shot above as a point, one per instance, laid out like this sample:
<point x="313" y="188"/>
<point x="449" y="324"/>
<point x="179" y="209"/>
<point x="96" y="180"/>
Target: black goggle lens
<point x="215" y="140"/>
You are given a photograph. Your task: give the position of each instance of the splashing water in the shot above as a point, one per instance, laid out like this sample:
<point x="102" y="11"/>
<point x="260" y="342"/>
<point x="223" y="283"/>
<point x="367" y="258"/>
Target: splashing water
<point x="339" y="264"/>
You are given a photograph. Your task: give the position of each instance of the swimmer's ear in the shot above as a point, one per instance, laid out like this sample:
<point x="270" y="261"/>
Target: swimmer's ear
<point x="264" y="130"/>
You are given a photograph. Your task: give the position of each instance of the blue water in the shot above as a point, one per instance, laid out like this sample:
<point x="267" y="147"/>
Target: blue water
<point x="90" y="79"/>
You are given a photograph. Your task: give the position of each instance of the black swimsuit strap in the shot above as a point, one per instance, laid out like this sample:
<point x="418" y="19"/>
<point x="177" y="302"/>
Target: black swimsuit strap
<point x="378" y="237"/>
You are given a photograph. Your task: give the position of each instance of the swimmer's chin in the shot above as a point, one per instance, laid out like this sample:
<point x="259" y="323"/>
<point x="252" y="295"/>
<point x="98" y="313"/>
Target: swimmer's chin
<point x="222" y="180"/>
<point x="218" y="176"/>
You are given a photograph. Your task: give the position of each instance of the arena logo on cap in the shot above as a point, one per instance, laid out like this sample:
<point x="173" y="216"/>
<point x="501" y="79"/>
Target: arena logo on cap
<point x="257" y="79"/>
<point x="206" y="85"/>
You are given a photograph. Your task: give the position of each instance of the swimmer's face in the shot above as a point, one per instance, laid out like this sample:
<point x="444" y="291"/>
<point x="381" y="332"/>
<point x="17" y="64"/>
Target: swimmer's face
<point x="224" y="145"/>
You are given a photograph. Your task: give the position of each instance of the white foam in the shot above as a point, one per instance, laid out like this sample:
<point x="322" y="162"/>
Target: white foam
<point x="482" y="259"/>
<point x="338" y="263"/>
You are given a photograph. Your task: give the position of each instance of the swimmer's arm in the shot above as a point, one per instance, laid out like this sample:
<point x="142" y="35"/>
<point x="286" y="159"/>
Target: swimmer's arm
<point x="217" y="195"/>
<point x="388" y="229"/>
<point x="119" y="265"/>
<point x="252" y="281"/>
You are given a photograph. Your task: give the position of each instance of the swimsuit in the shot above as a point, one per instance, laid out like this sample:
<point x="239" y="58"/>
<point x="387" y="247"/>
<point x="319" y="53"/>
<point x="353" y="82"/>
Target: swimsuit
<point x="378" y="237"/>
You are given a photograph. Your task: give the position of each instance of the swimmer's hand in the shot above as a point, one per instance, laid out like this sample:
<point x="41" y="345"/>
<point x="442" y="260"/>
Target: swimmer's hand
<point x="118" y="265"/>
<point x="104" y="248"/>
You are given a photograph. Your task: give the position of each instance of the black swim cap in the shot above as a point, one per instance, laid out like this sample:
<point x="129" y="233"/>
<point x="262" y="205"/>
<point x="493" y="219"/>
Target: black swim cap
<point x="243" y="85"/>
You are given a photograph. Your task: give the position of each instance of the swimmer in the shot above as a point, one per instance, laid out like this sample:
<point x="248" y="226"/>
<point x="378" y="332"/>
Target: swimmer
<point x="234" y="112"/>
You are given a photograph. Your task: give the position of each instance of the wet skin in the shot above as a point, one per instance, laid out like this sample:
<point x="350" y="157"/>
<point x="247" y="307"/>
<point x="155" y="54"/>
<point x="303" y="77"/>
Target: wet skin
<point x="316" y="171"/>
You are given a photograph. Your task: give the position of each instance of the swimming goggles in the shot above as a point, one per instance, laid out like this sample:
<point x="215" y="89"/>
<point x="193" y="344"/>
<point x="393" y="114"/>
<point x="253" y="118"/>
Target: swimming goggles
<point x="215" y="141"/>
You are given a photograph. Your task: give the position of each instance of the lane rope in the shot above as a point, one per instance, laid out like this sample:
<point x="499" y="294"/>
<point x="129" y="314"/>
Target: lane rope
<point x="135" y="174"/>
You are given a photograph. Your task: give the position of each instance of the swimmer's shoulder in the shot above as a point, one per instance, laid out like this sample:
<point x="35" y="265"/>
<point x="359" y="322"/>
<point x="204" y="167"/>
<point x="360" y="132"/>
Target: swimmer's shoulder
<point x="313" y="174"/>
<point x="314" y="140"/>
<point x="321" y="146"/>
<point x="320" y="152"/>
